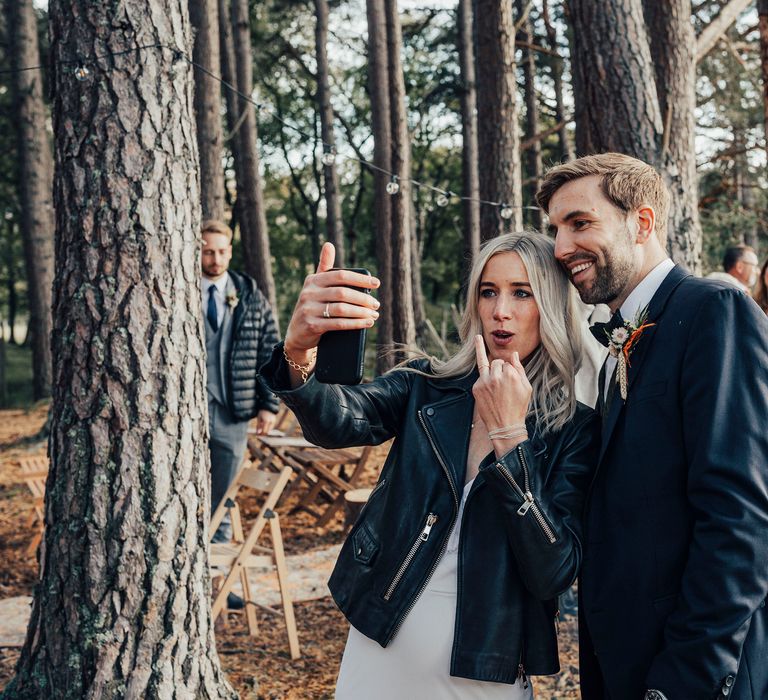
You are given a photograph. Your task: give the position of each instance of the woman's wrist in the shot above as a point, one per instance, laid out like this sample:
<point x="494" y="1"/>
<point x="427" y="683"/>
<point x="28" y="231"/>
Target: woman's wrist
<point x="301" y="356"/>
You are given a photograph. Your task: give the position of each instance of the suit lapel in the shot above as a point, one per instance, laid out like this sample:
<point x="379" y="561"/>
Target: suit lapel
<point x="640" y="351"/>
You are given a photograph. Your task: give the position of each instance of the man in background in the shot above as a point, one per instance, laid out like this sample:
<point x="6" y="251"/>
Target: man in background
<point x="741" y="265"/>
<point x="239" y="336"/>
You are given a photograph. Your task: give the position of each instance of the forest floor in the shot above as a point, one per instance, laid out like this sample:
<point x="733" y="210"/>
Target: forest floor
<point x="258" y="667"/>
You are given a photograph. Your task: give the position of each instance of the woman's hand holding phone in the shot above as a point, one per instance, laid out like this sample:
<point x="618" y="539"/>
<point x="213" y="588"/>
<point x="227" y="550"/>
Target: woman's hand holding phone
<point x="327" y="303"/>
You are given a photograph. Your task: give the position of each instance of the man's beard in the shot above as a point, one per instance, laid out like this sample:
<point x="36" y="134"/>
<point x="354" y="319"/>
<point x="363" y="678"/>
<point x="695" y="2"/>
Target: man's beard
<point x="611" y="277"/>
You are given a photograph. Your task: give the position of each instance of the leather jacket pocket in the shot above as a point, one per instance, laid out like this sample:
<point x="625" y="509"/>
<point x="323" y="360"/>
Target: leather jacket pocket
<point x="364" y="545"/>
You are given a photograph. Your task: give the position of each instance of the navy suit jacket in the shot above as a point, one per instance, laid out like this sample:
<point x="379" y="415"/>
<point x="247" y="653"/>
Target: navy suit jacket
<point x="675" y="571"/>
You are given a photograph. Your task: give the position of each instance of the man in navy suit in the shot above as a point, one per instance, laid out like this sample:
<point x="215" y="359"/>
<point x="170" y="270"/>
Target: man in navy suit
<point x="675" y="570"/>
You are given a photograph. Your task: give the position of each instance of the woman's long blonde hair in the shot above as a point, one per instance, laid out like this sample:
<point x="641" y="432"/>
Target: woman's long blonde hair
<point x="552" y="367"/>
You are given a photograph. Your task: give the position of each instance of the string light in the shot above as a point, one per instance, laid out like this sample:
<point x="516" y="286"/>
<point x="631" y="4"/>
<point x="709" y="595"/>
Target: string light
<point x="443" y="198"/>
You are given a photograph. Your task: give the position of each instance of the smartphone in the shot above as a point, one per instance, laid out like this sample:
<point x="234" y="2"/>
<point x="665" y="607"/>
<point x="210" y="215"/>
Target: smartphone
<point x="341" y="354"/>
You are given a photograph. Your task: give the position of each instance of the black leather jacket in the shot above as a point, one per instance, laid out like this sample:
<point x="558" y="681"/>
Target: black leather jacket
<point x="515" y="554"/>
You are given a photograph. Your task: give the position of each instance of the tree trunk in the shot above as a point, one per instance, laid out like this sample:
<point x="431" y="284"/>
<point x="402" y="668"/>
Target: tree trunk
<point x="762" y="8"/>
<point x="36" y="174"/>
<point x="250" y="194"/>
<point x="533" y="153"/>
<point x="378" y="85"/>
<point x="470" y="174"/>
<point x="403" y="323"/>
<point x="498" y="131"/>
<point x="333" y="221"/>
<point x="672" y="41"/>
<point x="566" y="147"/>
<point x="123" y="605"/>
<point x="204" y="16"/>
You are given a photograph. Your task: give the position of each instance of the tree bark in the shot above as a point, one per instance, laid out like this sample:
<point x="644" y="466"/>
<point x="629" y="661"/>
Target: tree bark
<point x="250" y="193"/>
<point x="497" y="119"/>
<point x="204" y="16"/>
<point x="566" y="146"/>
<point x="333" y="221"/>
<point x="378" y="87"/>
<point x="762" y="9"/>
<point x="403" y="322"/>
<point x="672" y="42"/>
<point x="470" y="172"/>
<point x="35" y="187"/>
<point x="123" y="605"/>
<point x="533" y="169"/>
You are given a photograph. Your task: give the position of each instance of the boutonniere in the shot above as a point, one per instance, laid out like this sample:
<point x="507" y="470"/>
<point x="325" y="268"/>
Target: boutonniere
<point x="232" y="299"/>
<point x="621" y="343"/>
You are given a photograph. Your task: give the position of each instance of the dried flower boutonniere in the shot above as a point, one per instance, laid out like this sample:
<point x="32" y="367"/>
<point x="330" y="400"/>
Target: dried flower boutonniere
<point x="232" y="300"/>
<point x="622" y="341"/>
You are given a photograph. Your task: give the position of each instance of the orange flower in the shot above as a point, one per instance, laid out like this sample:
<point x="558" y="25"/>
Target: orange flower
<point x="633" y="339"/>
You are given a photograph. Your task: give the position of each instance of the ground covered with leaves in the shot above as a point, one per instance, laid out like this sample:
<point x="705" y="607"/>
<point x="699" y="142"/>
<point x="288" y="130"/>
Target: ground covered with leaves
<point x="258" y="667"/>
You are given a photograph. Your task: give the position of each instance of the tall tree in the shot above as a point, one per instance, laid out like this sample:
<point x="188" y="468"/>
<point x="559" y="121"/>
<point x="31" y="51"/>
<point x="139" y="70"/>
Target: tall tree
<point x="566" y="146"/>
<point x="618" y="105"/>
<point x="123" y="605"/>
<point x="762" y="9"/>
<point x="533" y="168"/>
<point x="470" y="171"/>
<point x="498" y="135"/>
<point x="35" y="186"/>
<point x="204" y="16"/>
<point x="333" y="221"/>
<point x="250" y="190"/>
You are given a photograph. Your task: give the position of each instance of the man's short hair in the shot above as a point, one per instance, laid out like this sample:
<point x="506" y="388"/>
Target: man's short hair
<point x="215" y="226"/>
<point x="735" y="253"/>
<point x="627" y="182"/>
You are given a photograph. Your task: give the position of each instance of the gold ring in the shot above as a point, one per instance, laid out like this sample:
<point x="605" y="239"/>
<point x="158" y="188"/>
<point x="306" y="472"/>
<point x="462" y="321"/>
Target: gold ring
<point x="326" y="312"/>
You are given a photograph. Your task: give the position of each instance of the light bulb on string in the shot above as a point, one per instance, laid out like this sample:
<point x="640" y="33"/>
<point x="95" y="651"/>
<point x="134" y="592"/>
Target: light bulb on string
<point x="264" y="110"/>
<point x="506" y="211"/>
<point x="392" y="186"/>
<point x="442" y="200"/>
<point x="82" y="73"/>
<point x="329" y="157"/>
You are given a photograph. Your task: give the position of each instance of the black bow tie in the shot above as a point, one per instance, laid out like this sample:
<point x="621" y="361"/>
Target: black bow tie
<point x="602" y="331"/>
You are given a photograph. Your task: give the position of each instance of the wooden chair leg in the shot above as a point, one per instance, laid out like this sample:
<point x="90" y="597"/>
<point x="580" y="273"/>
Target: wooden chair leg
<point x="330" y="511"/>
<point x="32" y="547"/>
<point x="282" y="580"/>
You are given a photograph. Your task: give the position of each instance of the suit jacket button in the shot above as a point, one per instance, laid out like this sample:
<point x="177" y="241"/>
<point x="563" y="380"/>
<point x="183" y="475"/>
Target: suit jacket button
<point x="430" y="411"/>
<point x="729" y="680"/>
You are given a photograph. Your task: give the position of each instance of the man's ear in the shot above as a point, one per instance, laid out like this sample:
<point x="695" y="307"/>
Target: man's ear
<point x="646" y="224"/>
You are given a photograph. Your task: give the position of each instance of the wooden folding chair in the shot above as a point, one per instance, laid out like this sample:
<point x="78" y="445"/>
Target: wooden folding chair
<point x="317" y="467"/>
<point x="34" y="472"/>
<point x="244" y="552"/>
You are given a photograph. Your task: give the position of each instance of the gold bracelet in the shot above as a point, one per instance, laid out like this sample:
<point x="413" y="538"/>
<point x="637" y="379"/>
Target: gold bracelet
<point x="301" y="369"/>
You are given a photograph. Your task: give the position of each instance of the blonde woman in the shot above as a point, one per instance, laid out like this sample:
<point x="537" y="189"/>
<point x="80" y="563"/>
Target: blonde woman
<point x="451" y="574"/>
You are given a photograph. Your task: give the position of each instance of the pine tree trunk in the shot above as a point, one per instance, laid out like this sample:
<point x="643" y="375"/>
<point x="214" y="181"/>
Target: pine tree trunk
<point x="566" y="147"/>
<point x="250" y="193"/>
<point x="123" y="605"/>
<point x="533" y="152"/>
<point x="469" y="154"/>
<point x="378" y="85"/>
<point x="762" y="8"/>
<point x="673" y="44"/>
<point x="35" y="187"/>
<point x="498" y="132"/>
<point x="403" y="323"/>
<point x="333" y="221"/>
<point x="204" y="15"/>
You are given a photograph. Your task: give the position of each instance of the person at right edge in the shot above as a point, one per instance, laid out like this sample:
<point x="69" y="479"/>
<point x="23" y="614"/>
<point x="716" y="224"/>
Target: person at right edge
<point x="675" y="571"/>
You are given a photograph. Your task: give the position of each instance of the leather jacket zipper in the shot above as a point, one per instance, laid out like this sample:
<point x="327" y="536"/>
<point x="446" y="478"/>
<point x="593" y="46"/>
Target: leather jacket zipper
<point x="445" y="538"/>
<point x="528" y="501"/>
<point x="423" y="537"/>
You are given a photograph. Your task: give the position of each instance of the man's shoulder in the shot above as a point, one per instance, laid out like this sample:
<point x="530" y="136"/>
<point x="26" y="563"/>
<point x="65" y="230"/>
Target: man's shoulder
<point x="247" y="288"/>
<point x="703" y="289"/>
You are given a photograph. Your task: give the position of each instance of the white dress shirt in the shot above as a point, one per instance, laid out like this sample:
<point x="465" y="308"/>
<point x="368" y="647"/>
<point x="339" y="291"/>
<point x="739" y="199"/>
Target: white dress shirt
<point x="638" y="299"/>
<point x="219" y="295"/>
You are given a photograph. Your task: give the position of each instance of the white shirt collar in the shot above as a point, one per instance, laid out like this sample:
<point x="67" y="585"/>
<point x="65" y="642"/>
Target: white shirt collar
<point x="641" y="295"/>
<point x="220" y="284"/>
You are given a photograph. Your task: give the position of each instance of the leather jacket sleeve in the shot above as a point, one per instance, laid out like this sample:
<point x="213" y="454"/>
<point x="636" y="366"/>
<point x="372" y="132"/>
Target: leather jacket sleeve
<point x="724" y="386"/>
<point x="544" y="515"/>
<point x="333" y="415"/>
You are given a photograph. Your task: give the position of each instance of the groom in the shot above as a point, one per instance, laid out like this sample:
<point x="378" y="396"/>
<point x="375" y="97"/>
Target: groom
<point x="675" y="572"/>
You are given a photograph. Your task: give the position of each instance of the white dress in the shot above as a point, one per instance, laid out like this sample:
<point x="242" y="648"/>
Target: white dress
<point x="416" y="663"/>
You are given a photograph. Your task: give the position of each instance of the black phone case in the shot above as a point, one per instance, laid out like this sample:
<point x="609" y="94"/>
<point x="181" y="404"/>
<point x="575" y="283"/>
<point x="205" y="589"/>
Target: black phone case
<point x="341" y="354"/>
